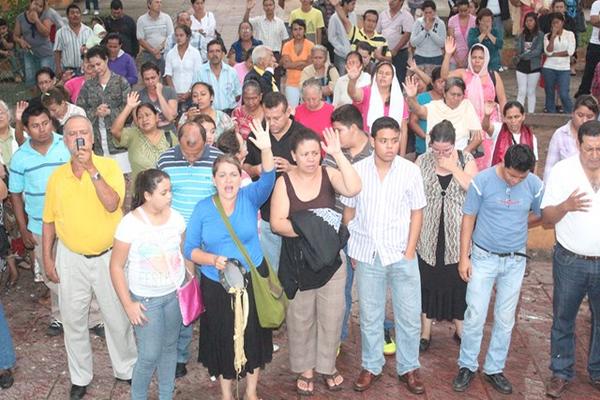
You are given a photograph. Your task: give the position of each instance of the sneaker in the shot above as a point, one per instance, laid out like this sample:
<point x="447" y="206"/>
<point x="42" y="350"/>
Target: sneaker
<point x="98" y="330"/>
<point x="55" y="328"/>
<point x="389" y="346"/>
<point x="275" y="348"/>
<point x="86" y="11"/>
<point x="96" y="12"/>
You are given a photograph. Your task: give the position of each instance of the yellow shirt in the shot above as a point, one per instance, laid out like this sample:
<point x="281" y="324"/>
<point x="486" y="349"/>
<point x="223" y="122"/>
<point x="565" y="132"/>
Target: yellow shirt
<point x="81" y="221"/>
<point x="313" y="19"/>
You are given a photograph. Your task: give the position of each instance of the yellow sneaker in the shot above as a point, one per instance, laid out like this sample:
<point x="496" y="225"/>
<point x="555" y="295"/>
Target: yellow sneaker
<point x="389" y="346"/>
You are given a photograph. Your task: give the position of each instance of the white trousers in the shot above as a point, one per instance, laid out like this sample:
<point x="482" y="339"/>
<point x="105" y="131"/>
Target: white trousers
<point x="80" y="278"/>
<point x="526" y="85"/>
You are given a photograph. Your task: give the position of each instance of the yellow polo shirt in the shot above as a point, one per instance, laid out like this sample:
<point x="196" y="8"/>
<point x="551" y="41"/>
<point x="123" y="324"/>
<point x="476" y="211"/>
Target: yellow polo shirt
<point x="81" y="221"/>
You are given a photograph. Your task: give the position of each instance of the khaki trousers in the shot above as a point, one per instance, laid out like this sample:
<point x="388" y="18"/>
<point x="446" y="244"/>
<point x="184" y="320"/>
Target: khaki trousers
<point x="314" y="323"/>
<point x="95" y="317"/>
<point x="80" y="278"/>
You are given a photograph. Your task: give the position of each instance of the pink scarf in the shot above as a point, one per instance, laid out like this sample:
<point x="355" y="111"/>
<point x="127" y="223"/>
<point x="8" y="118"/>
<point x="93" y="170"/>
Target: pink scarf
<point x="473" y="80"/>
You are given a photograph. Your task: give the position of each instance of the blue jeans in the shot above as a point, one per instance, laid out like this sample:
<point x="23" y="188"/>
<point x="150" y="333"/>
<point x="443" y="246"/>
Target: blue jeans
<point x="405" y="282"/>
<point x="387" y="324"/>
<point x="157" y="346"/>
<point x="88" y="4"/>
<point x="271" y="244"/>
<point x="562" y="79"/>
<point x="574" y="278"/>
<point x="499" y="25"/>
<point x="32" y="64"/>
<point x="507" y="274"/>
<point x="420" y="60"/>
<point x="7" y="351"/>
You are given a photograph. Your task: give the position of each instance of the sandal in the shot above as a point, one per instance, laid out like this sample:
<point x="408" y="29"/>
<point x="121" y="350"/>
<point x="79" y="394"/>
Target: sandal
<point x="333" y="377"/>
<point x="307" y="381"/>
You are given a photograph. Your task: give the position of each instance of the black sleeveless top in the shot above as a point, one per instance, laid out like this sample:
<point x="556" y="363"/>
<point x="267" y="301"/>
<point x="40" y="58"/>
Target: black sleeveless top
<point x="325" y="198"/>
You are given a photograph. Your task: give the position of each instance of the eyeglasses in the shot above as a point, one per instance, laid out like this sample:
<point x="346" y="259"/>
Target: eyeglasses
<point x="444" y="152"/>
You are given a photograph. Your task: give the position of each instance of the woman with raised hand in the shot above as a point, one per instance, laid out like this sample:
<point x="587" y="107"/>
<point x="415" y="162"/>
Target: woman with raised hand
<point x="209" y="245"/>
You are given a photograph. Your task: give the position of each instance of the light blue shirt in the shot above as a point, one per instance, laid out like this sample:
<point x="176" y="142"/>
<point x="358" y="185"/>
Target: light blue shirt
<point x="29" y="174"/>
<point x="502" y="210"/>
<point x="227" y="87"/>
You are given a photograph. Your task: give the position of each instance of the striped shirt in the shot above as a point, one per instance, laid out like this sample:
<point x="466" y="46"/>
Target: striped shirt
<point x="190" y="183"/>
<point x="382" y="221"/>
<point x="376" y="41"/>
<point x="271" y="32"/>
<point x="69" y="44"/>
<point x="29" y="174"/>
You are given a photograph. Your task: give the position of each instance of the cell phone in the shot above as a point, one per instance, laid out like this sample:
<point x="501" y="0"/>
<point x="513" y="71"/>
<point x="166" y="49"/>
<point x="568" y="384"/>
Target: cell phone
<point x="79" y="142"/>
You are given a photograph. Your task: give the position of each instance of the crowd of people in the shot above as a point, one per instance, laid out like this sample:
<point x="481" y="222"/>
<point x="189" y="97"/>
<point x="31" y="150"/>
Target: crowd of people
<point x="326" y="149"/>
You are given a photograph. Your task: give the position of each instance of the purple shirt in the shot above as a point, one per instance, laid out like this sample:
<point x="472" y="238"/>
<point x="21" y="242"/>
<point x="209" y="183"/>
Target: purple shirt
<point x="562" y="145"/>
<point x="124" y="65"/>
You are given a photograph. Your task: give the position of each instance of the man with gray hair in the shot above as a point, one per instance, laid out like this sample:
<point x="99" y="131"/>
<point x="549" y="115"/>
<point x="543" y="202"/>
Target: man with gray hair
<point x="197" y="40"/>
<point x="83" y="205"/>
<point x="263" y="69"/>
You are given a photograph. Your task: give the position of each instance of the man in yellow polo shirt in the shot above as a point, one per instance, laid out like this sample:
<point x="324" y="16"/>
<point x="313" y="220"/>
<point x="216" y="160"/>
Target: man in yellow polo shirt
<point x="82" y="209"/>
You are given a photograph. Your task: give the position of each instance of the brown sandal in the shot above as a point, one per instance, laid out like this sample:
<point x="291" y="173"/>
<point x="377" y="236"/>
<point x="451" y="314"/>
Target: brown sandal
<point x="307" y="381"/>
<point x="332" y="378"/>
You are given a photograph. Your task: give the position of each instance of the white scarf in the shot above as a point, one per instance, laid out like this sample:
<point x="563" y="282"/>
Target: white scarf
<point x="376" y="106"/>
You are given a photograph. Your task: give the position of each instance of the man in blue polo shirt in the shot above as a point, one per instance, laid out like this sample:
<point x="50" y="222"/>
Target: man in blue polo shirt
<point x="30" y="168"/>
<point x="189" y="165"/>
<point x="221" y="77"/>
<point x="504" y="201"/>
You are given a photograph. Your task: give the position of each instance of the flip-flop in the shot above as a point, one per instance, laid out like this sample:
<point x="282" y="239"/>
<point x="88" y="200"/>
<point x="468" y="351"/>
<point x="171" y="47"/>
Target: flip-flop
<point x="308" y="381"/>
<point x="333" y="377"/>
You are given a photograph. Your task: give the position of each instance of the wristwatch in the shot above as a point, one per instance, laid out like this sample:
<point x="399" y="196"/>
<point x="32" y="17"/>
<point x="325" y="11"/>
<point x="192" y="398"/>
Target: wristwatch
<point x="96" y="176"/>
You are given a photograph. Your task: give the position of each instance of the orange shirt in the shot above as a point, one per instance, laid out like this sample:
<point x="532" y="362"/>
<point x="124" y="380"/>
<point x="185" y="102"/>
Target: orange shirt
<point x="293" y="75"/>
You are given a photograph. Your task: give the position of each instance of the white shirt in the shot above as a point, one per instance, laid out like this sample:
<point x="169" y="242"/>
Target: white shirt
<point x="270" y="32"/>
<point x="340" y="90"/>
<point x="576" y="231"/>
<point x="337" y="35"/>
<point x="564" y="42"/>
<point x="208" y="25"/>
<point x="180" y="69"/>
<point x="382" y="221"/>
<point x="72" y="110"/>
<point x="494" y="6"/>
<point x="594" y="39"/>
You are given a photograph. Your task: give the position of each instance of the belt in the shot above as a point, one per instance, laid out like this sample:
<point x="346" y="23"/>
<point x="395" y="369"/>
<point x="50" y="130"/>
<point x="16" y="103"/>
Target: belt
<point x="97" y="255"/>
<point x="509" y="254"/>
<point x="579" y="256"/>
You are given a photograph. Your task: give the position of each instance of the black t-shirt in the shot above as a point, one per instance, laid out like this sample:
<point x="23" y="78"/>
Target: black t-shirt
<point x="281" y="148"/>
<point x="126" y="27"/>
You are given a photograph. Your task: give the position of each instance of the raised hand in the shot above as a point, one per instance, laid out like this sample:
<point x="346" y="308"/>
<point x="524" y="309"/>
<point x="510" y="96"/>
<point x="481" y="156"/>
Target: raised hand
<point x="489" y="107"/>
<point x="577" y="201"/>
<point x="21" y="106"/>
<point x="133" y="100"/>
<point x="353" y="71"/>
<point x="450" y="45"/>
<point x="411" y="86"/>
<point x="261" y="138"/>
<point x="334" y="2"/>
<point x="331" y="145"/>
<point x="412" y="65"/>
<point x="250" y="4"/>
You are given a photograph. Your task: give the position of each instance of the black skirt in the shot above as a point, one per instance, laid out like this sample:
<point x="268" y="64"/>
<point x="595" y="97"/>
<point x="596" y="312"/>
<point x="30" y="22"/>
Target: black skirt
<point x="216" y="333"/>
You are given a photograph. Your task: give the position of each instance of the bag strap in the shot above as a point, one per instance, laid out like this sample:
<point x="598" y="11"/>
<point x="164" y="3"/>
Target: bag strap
<point x="461" y="159"/>
<point x="169" y="138"/>
<point x="232" y="233"/>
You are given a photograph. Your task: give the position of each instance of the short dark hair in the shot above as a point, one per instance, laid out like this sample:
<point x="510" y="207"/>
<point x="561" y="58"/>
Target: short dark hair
<point x="228" y="142"/>
<point x="34" y="111"/>
<point x="589" y="101"/>
<point x="3" y="22"/>
<point x="72" y="6"/>
<point x="484" y="12"/>
<point x="442" y="132"/>
<point x="557" y="16"/>
<point x="186" y="29"/>
<point x="372" y="12"/>
<point x="436" y="74"/>
<point x="347" y="115"/>
<point x="558" y="1"/>
<point x="116" y="5"/>
<point x="146" y="181"/>
<point x="97" y="51"/>
<point x="519" y="157"/>
<point x="147" y="105"/>
<point x="384" y="123"/>
<point x="113" y="36"/>
<point x="216" y="42"/>
<point x="211" y="91"/>
<point x="303" y="135"/>
<point x="461" y="3"/>
<point x="353" y="53"/>
<point x="45" y="70"/>
<point x="274" y="99"/>
<point x="513" y="104"/>
<point x="428" y="4"/>
<point x="147" y="66"/>
<point x="299" y="22"/>
<point x="362" y="45"/>
<point x="589" y="128"/>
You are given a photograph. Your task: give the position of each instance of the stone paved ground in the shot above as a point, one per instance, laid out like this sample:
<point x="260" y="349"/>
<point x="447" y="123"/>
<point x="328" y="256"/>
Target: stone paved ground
<point x="42" y="372"/>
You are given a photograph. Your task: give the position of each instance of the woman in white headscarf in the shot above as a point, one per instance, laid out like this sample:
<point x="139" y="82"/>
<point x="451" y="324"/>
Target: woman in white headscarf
<point x="382" y="99"/>
<point x="482" y="86"/>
